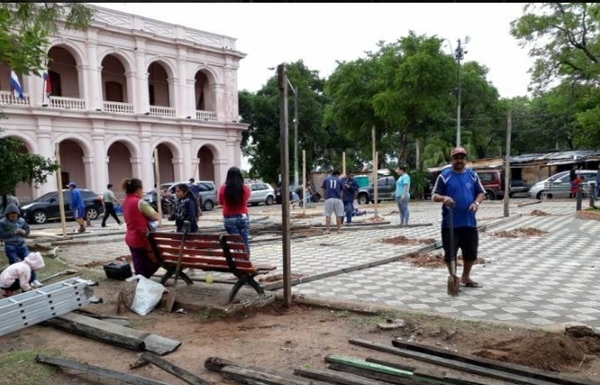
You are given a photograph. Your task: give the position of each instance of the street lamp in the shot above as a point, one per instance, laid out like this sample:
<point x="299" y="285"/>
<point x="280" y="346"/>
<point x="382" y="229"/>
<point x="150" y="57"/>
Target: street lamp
<point x="458" y="55"/>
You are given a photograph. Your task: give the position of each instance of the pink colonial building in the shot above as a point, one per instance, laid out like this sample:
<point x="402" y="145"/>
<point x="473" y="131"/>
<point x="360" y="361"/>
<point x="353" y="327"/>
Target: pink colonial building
<point x="121" y="89"/>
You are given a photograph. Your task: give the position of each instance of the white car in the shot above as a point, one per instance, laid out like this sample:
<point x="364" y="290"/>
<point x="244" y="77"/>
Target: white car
<point x="261" y="193"/>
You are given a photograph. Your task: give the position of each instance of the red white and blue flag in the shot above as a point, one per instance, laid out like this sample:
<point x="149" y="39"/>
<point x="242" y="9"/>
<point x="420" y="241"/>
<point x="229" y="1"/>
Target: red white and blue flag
<point x="15" y="86"/>
<point x="47" y="87"/>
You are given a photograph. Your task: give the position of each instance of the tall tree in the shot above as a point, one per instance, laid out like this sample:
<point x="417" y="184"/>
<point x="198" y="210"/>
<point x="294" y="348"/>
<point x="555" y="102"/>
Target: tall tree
<point x="24" y="32"/>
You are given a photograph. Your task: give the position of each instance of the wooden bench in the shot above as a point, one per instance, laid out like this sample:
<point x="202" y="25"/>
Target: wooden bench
<point x="208" y="252"/>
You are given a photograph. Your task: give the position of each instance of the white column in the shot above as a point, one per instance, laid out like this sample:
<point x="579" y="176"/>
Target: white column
<point x="45" y="148"/>
<point x="136" y="169"/>
<point x="186" y="149"/>
<point x="88" y="166"/>
<point x="178" y="169"/>
<point x="220" y="167"/>
<point x="100" y="171"/>
<point x="94" y="101"/>
<point x="31" y="89"/>
<point x="174" y="99"/>
<point x="141" y="98"/>
<point x="183" y="109"/>
<point x="131" y="87"/>
<point x="190" y="94"/>
<point x="218" y="90"/>
<point x="147" y="165"/>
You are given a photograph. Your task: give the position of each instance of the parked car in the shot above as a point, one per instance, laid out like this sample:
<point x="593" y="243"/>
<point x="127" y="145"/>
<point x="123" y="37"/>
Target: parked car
<point x="46" y="207"/>
<point x="315" y="196"/>
<point x="517" y="187"/>
<point x="261" y="193"/>
<point x="208" y="194"/>
<point x="559" y="185"/>
<point x="493" y="183"/>
<point x="386" y="189"/>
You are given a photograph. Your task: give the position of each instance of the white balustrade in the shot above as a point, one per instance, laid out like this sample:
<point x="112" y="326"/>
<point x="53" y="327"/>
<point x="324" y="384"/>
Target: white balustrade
<point x="206" y="115"/>
<point x="162" y="111"/>
<point x="67" y="103"/>
<point x="118" y="108"/>
<point x="8" y="97"/>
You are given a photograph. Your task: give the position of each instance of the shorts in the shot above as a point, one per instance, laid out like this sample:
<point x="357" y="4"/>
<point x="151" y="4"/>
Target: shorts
<point x="334" y="206"/>
<point x="465" y="238"/>
<point x="79" y="213"/>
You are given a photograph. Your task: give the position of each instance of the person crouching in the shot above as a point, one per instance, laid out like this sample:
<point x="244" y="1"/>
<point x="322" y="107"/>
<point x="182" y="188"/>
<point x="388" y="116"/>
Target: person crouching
<point x="18" y="275"/>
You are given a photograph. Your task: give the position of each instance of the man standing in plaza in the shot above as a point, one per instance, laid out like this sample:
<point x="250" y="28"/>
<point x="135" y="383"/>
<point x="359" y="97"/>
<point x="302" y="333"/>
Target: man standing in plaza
<point x="459" y="189"/>
<point x="402" y="194"/>
<point x="333" y="200"/>
<point x="350" y="187"/>
<point x="77" y="206"/>
<point x="109" y="205"/>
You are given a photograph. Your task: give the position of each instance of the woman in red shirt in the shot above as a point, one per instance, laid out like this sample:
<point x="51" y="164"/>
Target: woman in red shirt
<point x="233" y="196"/>
<point x="137" y="213"/>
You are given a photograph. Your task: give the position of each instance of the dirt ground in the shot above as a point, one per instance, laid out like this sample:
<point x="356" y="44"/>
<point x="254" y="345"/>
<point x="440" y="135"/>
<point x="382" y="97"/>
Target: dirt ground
<point x="276" y="338"/>
<point x="521" y="232"/>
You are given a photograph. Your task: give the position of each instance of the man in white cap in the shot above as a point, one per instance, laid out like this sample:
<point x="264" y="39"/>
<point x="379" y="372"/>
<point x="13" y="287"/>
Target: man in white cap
<point x="459" y="189"/>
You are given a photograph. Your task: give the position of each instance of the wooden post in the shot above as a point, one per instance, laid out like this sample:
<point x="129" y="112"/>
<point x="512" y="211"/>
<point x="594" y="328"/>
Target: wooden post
<point x="418" y="154"/>
<point x="196" y="178"/>
<point x="158" y="189"/>
<point x="59" y="188"/>
<point x="375" y="166"/>
<point x="507" y="165"/>
<point x="304" y="181"/>
<point x="344" y="163"/>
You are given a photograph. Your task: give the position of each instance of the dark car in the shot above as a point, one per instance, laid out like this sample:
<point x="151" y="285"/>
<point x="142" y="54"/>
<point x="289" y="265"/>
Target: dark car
<point x="386" y="189"/>
<point x="46" y="207"/>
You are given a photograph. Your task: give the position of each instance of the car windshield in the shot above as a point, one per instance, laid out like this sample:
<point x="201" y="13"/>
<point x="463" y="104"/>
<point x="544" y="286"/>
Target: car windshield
<point x="46" y="197"/>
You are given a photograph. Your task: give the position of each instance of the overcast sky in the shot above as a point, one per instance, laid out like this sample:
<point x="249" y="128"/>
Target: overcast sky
<point x="321" y="33"/>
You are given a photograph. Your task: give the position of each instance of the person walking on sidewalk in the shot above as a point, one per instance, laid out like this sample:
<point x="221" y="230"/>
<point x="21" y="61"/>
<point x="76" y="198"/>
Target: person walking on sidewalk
<point x="109" y="205"/>
<point x="77" y="206"/>
<point x="403" y="194"/>
<point x="333" y="201"/>
<point x="350" y="187"/>
<point x="459" y="189"/>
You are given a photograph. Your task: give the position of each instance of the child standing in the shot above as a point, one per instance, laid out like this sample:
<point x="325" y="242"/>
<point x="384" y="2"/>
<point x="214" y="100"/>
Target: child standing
<point x="18" y="275"/>
<point x="13" y="230"/>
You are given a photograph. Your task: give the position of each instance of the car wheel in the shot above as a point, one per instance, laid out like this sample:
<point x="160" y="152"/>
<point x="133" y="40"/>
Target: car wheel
<point x="208" y="205"/>
<point x="39" y="217"/>
<point x="539" y="195"/>
<point x="362" y="199"/>
<point x="489" y="195"/>
<point x="92" y="213"/>
<point x="269" y="201"/>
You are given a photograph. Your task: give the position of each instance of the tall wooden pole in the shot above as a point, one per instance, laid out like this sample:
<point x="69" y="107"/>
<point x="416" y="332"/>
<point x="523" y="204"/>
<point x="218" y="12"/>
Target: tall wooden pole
<point x="304" y="182"/>
<point x="344" y="163"/>
<point x="375" y="166"/>
<point x="158" y="189"/>
<point x="59" y="188"/>
<point x="285" y="184"/>
<point x="507" y="165"/>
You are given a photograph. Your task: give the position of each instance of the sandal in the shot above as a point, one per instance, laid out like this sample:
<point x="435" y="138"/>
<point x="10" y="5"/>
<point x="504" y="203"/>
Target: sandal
<point x="472" y="285"/>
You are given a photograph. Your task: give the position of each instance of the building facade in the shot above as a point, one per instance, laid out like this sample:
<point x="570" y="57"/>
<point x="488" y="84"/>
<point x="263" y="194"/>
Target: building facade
<point x="122" y="90"/>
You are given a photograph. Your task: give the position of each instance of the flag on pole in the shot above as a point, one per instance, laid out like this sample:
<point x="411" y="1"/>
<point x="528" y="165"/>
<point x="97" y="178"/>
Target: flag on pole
<point x="47" y="87"/>
<point x="15" y="86"/>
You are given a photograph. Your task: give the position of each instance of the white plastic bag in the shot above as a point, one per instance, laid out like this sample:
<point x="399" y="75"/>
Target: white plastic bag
<point x="147" y="295"/>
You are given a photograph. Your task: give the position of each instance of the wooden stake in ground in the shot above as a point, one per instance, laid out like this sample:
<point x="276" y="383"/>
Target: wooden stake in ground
<point x="304" y="181"/>
<point x="375" y="165"/>
<point x="61" y="199"/>
<point x="507" y="165"/>
<point x="158" y="189"/>
<point x="344" y="163"/>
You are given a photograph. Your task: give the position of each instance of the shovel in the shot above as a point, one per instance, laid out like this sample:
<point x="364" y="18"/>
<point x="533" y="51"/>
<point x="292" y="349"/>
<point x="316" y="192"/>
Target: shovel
<point x="64" y="272"/>
<point x="453" y="280"/>
<point x="172" y="293"/>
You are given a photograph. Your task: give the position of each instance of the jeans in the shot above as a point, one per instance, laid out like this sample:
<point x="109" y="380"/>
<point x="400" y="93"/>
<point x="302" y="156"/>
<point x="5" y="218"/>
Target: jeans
<point x="238" y="224"/>
<point x="16" y="253"/>
<point x="403" y="208"/>
<point x="349" y="210"/>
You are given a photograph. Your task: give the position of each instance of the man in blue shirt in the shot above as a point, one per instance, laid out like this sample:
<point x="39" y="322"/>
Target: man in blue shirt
<point x="350" y="187"/>
<point x="460" y="190"/>
<point x="77" y="206"/>
<point x="333" y="200"/>
<point x="402" y="194"/>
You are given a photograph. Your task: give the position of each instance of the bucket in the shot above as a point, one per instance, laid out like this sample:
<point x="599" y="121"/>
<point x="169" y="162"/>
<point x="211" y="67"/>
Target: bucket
<point x="362" y="180"/>
<point x="118" y="209"/>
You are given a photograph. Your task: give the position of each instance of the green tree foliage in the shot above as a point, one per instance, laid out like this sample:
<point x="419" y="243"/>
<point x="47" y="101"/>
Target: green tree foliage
<point x="24" y="32"/>
<point x="563" y="39"/>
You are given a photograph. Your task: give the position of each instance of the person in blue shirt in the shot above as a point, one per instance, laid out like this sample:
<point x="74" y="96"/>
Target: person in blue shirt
<point x="459" y="189"/>
<point x="77" y="206"/>
<point x="349" y="189"/>
<point x="333" y="200"/>
<point x="402" y="194"/>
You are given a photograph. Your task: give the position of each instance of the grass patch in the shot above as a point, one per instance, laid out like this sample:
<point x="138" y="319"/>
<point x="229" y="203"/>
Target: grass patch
<point x="21" y="368"/>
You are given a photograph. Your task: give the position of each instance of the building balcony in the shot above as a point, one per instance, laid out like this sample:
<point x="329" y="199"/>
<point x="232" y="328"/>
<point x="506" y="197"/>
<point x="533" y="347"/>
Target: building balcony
<point x="118" y="107"/>
<point x="210" y="116"/>
<point x="162" y="111"/>
<point x="8" y="98"/>
<point x="66" y="103"/>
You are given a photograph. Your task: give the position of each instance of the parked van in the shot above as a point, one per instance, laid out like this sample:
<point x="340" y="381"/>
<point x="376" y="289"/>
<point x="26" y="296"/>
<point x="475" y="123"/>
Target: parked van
<point x="559" y="185"/>
<point x="493" y="183"/>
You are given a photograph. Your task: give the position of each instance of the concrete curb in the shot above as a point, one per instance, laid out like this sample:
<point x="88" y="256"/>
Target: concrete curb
<point x="278" y="285"/>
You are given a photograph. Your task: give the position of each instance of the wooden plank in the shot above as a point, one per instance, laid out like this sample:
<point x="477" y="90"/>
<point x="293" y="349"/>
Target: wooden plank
<point x="408" y="368"/>
<point x="374" y="375"/>
<point x="175" y="370"/>
<point x="336" y="378"/>
<point x="90" y="369"/>
<point x="92" y="328"/>
<point x="492" y="364"/>
<point x="197" y="259"/>
<point x="492" y="373"/>
<point x="243" y="374"/>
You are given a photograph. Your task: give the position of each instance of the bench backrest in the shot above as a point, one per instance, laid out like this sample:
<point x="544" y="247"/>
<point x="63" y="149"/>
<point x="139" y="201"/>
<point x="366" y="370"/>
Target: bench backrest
<point x="201" y="250"/>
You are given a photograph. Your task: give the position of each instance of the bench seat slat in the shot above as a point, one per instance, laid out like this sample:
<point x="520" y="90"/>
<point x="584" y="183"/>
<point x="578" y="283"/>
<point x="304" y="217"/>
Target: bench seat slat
<point x="241" y="255"/>
<point x="186" y="261"/>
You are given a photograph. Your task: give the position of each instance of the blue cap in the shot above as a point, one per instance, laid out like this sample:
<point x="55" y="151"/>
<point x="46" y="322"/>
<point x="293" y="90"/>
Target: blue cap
<point x="71" y="184"/>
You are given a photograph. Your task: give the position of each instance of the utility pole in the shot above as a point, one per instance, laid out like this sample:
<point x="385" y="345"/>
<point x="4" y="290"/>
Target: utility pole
<point x="296" y="181"/>
<point x="282" y="83"/>
<point x="459" y="54"/>
<point x="507" y="165"/>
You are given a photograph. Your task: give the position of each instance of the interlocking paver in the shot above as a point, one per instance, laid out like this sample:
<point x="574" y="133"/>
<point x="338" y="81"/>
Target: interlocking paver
<point x="544" y="280"/>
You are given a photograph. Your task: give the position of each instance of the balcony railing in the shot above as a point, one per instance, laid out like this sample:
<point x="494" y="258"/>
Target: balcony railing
<point x="206" y="115"/>
<point x="8" y="97"/>
<point x="162" y="111"/>
<point x="118" y="108"/>
<point x="67" y="103"/>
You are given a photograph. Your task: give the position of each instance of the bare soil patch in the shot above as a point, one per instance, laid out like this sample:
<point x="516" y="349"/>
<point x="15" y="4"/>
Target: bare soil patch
<point x="276" y="338"/>
<point x="278" y="277"/>
<point x="374" y="219"/>
<point x="539" y="213"/>
<point x="521" y="232"/>
<point x="307" y="215"/>
<point x="96" y="263"/>
<point x="402" y="240"/>
<point x="434" y="260"/>
<point x="588" y="214"/>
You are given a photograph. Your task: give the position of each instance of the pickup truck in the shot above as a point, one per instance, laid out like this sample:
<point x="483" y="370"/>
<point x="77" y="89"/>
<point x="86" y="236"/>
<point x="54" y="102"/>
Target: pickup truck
<point x="386" y="189"/>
